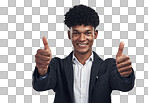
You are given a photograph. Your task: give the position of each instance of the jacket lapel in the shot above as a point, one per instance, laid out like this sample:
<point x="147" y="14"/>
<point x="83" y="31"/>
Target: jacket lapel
<point x="68" y="68"/>
<point x="94" y="71"/>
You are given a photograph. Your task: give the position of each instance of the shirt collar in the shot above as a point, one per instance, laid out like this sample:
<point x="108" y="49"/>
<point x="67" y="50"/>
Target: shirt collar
<point x="74" y="58"/>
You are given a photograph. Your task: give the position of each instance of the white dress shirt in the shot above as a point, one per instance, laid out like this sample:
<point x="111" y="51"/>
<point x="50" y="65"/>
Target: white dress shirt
<point x="81" y="79"/>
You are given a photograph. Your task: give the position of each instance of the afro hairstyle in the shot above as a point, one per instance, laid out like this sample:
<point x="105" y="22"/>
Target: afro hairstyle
<point x="81" y="14"/>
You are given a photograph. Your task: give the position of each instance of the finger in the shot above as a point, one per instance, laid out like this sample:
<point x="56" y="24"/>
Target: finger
<point x="46" y="53"/>
<point x="120" y="50"/>
<point x="124" y="69"/>
<point x="39" y="51"/>
<point x="126" y="74"/>
<point x="41" y="62"/>
<point x="45" y="42"/>
<point x="122" y="59"/>
<point x="41" y="66"/>
<point x="38" y="61"/>
<point x="43" y="52"/>
<point x="42" y="57"/>
<point x="124" y="64"/>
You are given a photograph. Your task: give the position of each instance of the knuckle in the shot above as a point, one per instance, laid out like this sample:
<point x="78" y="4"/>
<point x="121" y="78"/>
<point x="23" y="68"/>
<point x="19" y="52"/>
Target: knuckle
<point x="121" y="74"/>
<point x="38" y="51"/>
<point x="117" y="66"/>
<point x="49" y="59"/>
<point x="117" y="60"/>
<point x="119" y="70"/>
<point x="124" y="56"/>
<point x="127" y="57"/>
<point x="130" y="66"/>
<point x="48" y="62"/>
<point x="129" y="62"/>
<point x="49" y="53"/>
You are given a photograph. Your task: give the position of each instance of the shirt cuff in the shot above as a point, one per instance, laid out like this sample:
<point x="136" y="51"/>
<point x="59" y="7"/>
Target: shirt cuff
<point x="43" y="77"/>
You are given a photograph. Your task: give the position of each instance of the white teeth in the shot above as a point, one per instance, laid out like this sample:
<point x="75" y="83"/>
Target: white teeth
<point x="81" y="44"/>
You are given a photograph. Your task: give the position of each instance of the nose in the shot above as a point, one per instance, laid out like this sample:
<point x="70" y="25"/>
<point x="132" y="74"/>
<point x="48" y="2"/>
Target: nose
<point x="82" y="37"/>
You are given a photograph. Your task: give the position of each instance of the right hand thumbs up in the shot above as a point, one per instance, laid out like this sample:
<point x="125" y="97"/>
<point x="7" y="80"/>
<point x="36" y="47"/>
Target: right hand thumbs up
<point x="45" y="42"/>
<point x="43" y="58"/>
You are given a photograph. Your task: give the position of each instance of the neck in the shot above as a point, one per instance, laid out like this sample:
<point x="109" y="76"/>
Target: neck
<point x="82" y="57"/>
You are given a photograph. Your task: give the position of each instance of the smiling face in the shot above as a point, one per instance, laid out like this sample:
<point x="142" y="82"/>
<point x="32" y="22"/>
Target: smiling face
<point x="82" y="38"/>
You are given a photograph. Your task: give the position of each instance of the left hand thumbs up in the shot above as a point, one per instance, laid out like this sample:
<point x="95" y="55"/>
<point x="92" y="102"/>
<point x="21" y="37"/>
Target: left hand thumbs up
<point x="123" y="62"/>
<point x="120" y="50"/>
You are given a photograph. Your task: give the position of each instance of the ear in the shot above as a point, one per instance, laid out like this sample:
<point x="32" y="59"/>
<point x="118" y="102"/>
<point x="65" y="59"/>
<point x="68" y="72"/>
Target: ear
<point x="96" y="34"/>
<point x="69" y="34"/>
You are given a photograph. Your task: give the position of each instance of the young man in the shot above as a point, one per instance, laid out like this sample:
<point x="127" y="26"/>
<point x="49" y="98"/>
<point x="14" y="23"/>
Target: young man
<point x="82" y="77"/>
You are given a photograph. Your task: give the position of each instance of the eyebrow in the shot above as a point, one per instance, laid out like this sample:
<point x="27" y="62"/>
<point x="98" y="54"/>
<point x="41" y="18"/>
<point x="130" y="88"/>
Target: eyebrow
<point x="86" y="30"/>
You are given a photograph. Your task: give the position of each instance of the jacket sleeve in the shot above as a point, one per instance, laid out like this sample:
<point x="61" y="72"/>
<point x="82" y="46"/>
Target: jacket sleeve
<point x="116" y="81"/>
<point x="46" y="83"/>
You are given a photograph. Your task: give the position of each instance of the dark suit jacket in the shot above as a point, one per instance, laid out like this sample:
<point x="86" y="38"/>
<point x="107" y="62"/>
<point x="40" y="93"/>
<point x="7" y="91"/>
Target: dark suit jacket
<point x="104" y="78"/>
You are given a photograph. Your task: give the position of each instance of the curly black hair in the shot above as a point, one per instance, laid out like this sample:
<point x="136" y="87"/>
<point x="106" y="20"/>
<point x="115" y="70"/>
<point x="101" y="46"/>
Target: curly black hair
<point x="81" y="14"/>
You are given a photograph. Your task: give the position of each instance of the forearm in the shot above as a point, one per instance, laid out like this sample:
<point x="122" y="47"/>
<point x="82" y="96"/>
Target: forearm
<point x="38" y="85"/>
<point x="117" y="82"/>
<point x="46" y="83"/>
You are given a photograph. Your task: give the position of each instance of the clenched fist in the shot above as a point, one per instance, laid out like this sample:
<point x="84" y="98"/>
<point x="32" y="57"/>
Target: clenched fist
<point x="43" y="58"/>
<point x="123" y="62"/>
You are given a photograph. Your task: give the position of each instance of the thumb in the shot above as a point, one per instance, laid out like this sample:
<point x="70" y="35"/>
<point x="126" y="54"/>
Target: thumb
<point x="120" y="50"/>
<point x="45" y="42"/>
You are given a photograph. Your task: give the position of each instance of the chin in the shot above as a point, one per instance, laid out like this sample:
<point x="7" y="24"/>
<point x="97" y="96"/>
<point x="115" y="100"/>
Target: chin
<point x="83" y="51"/>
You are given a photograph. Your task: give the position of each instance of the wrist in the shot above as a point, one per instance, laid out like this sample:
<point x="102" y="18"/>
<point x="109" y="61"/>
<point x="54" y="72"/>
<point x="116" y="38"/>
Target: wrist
<point x="42" y="72"/>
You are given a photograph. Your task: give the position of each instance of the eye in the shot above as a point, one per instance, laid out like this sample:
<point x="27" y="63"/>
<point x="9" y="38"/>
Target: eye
<point x="88" y="33"/>
<point x="75" y="33"/>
